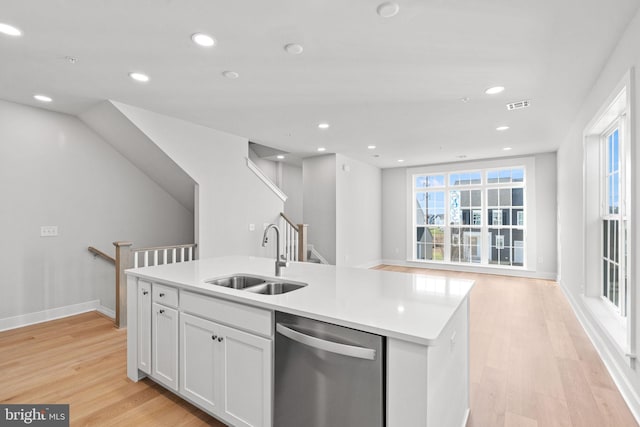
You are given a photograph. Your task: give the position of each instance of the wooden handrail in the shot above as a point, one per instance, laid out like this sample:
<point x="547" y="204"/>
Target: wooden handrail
<point x="295" y="227"/>
<point x="98" y="252"/>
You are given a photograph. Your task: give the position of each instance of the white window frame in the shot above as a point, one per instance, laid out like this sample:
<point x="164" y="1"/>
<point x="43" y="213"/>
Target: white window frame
<point x="530" y="255"/>
<point x="620" y="325"/>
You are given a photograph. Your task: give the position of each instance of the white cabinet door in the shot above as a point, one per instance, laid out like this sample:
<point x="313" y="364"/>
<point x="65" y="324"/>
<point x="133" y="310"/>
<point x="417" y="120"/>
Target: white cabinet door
<point x="246" y="383"/>
<point x="144" y="326"/>
<point x="165" y="345"/>
<point x="199" y="361"/>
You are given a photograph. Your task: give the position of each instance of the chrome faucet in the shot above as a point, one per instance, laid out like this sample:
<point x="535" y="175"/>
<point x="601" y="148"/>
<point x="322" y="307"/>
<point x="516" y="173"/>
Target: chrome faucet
<point x="280" y="260"/>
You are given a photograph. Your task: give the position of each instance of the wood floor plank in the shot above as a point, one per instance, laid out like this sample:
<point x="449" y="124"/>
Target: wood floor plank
<point x="81" y="361"/>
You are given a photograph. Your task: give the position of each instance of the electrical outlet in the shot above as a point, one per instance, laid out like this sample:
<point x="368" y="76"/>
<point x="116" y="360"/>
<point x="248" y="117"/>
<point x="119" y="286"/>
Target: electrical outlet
<point x="49" y="231"/>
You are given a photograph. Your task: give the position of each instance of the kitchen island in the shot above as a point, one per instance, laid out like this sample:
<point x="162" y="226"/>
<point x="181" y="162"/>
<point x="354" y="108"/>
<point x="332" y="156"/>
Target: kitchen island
<point x="177" y="323"/>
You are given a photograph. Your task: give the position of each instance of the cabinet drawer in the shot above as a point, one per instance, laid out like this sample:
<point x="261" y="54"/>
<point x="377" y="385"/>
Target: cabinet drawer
<point x="165" y="295"/>
<point x="240" y="316"/>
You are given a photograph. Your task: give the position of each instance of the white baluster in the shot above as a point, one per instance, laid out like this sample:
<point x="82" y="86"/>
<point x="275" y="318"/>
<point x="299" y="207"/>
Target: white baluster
<point x="135" y="260"/>
<point x="182" y="254"/>
<point x="146" y="258"/>
<point x="164" y="258"/>
<point x="190" y="253"/>
<point x="173" y="255"/>
<point x="155" y="257"/>
<point x="295" y="246"/>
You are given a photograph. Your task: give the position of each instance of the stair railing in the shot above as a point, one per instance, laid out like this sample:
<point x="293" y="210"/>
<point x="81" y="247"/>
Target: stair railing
<point x="129" y="257"/>
<point x="294" y="241"/>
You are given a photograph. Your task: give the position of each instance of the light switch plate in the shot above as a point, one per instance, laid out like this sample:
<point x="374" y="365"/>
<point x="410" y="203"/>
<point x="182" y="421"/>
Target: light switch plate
<point x="49" y="231"/>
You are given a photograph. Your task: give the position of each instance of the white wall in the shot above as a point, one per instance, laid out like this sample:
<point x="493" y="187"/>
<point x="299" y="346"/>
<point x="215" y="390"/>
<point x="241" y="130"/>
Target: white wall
<point x="394" y="219"/>
<point x="358" y="213"/>
<point x="292" y="186"/>
<point x="319" y="204"/>
<point x="570" y="205"/>
<point x="56" y="171"/>
<point x="230" y="196"/>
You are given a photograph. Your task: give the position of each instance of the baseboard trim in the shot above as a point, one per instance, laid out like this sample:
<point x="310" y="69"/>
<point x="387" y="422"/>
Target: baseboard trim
<point x="598" y="340"/>
<point x="369" y="264"/>
<point x="470" y="269"/>
<point x="53" y="313"/>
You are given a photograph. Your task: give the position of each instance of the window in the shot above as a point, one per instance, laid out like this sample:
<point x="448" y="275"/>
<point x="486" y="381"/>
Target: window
<point x="607" y="202"/>
<point x="470" y="217"/>
<point x="430" y="217"/>
<point x="613" y="223"/>
<point x="505" y="207"/>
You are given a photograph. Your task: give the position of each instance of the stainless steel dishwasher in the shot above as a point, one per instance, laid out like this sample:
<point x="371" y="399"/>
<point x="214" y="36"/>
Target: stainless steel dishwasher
<point x="327" y="375"/>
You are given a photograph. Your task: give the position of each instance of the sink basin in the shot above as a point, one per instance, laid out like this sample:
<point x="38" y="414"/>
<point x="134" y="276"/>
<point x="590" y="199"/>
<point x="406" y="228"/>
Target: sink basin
<point x="275" y="288"/>
<point x="255" y="284"/>
<point x="237" y="282"/>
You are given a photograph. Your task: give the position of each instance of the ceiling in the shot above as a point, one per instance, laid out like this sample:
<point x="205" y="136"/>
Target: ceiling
<point x="396" y="83"/>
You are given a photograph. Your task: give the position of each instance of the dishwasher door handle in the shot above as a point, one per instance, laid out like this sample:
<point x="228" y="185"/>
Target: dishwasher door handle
<point x="330" y="346"/>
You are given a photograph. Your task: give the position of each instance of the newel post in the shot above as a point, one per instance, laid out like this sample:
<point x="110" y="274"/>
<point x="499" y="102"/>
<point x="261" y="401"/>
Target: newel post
<point x="123" y="261"/>
<point x="302" y="242"/>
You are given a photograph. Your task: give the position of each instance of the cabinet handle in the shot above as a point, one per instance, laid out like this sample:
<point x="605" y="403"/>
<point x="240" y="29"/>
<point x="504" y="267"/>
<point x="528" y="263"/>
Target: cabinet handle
<point x="213" y="337"/>
<point x="161" y="311"/>
<point x="161" y="294"/>
<point x="145" y="292"/>
<point x="220" y="339"/>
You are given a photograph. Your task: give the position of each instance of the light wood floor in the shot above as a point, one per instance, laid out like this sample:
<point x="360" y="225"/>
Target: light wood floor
<point x="531" y="362"/>
<point x="81" y="360"/>
<point x="531" y="365"/>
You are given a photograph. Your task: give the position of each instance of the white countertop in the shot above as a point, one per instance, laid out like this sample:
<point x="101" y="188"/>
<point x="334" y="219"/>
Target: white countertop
<point x="406" y="306"/>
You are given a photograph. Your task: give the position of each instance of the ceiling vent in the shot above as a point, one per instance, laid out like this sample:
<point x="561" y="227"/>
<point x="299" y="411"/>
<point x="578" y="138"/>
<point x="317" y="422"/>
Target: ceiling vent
<point x="518" y="105"/>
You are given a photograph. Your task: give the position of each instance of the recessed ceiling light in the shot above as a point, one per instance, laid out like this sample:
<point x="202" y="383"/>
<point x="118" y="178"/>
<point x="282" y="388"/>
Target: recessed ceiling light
<point x="42" y="98"/>
<point x="280" y="157"/>
<point x="323" y="126"/>
<point x="231" y="75"/>
<point x="203" y="40"/>
<point x="507" y="148"/>
<point x="293" y="48"/>
<point x="501" y="128"/>
<point x="465" y="100"/>
<point x="9" y="30"/>
<point x="400" y="160"/>
<point x="71" y="59"/>
<point x="388" y="9"/>
<point x="494" y="90"/>
<point x="139" y="77"/>
<point x="321" y="149"/>
<point x="371" y="147"/>
<point x="462" y="156"/>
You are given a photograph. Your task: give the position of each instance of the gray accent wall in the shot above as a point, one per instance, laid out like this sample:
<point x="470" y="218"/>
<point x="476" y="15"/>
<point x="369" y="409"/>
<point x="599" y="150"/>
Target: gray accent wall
<point x="319" y="204"/>
<point x="54" y="170"/>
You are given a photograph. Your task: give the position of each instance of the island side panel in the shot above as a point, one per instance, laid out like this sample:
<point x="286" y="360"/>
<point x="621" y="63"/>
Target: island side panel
<point x="132" y="329"/>
<point x="407" y="383"/>
<point x="428" y="386"/>
<point x="448" y="398"/>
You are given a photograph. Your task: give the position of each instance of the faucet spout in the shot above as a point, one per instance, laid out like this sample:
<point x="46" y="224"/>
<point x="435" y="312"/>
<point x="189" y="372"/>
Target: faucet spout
<point x="280" y="261"/>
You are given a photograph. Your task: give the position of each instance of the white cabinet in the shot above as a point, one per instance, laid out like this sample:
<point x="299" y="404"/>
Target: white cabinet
<point x="246" y="384"/>
<point x="227" y="371"/>
<point x="144" y="326"/>
<point x="165" y="345"/>
<point x="199" y="353"/>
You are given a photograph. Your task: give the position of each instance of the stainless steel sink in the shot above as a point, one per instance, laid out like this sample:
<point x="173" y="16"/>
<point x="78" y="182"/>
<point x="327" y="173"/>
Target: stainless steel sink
<point x="256" y="284"/>
<point x="275" y="288"/>
<point x="237" y="282"/>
